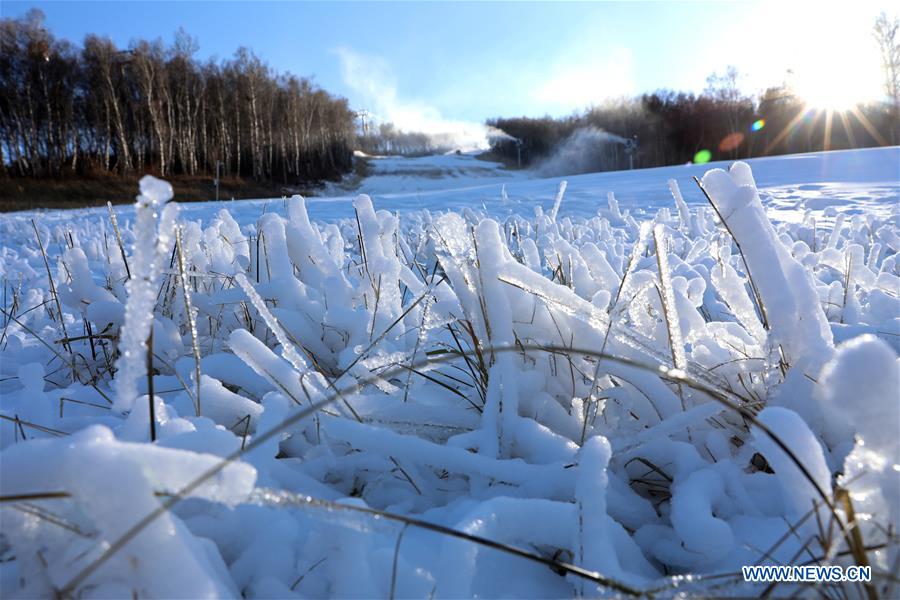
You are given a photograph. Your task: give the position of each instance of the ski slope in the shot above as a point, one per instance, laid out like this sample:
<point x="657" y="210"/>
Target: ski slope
<point x="460" y="382"/>
<point x="826" y="183"/>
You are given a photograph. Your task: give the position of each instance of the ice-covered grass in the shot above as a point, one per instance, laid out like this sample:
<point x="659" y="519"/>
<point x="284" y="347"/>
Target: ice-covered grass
<point x="449" y="403"/>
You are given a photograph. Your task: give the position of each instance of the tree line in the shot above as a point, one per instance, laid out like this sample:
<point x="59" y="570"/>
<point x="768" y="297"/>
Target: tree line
<point x="151" y="107"/>
<point x="675" y="128"/>
<point x="387" y="138"/>
<point x="721" y="123"/>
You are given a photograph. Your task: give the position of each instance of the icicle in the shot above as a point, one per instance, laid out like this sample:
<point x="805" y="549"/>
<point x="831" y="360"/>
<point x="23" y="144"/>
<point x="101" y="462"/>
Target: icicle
<point x="287" y="348"/>
<point x="668" y="298"/>
<point x="153" y="236"/>
<point x="614" y="206"/>
<point x="559" y="196"/>
<point x="684" y="212"/>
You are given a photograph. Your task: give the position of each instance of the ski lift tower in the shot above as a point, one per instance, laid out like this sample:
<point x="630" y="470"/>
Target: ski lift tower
<point x="364" y="116"/>
<point x="631" y="146"/>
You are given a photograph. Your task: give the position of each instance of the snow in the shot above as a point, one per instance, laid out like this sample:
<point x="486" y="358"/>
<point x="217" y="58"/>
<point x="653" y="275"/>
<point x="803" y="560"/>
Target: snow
<point x="113" y="484"/>
<point x="604" y="371"/>
<point x="857" y="182"/>
<point x="787" y="296"/>
<point x="860" y="389"/>
<point x="799" y="492"/>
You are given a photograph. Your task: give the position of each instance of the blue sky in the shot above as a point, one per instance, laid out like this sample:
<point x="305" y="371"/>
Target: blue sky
<point x="419" y="62"/>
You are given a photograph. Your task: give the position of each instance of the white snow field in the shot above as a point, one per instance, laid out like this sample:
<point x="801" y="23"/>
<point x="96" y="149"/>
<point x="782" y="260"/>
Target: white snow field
<point x="472" y="383"/>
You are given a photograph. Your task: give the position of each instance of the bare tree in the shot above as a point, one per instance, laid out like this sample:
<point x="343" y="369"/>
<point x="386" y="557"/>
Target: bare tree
<point x="149" y="66"/>
<point x="887" y="35"/>
<point x="726" y="90"/>
<point x="155" y="107"/>
<point x="106" y="66"/>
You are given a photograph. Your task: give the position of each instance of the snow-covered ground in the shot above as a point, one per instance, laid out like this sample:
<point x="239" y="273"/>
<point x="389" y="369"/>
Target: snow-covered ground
<point x="473" y="382"/>
<point x="851" y="182"/>
<point x="398" y="174"/>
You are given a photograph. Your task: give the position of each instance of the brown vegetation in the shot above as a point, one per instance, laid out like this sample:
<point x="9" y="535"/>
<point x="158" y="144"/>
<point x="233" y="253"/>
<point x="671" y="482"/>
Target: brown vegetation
<point x="26" y="193"/>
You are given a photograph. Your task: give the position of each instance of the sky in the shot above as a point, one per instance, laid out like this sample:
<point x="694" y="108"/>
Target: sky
<point x="434" y="65"/>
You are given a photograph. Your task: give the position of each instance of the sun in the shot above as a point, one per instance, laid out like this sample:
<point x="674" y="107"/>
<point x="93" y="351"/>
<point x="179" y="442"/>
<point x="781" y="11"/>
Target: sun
<point x="828" y="94"/>
<point x="828" y="54"/>
<point x="837" y="85"/>
<point x="838" y="77"/>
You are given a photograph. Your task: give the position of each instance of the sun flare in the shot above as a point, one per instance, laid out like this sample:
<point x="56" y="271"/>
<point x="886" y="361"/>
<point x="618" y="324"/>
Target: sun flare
<point x="827" y="94"/>
<point x="827" y="55"/>
<point x="839" y="77"/>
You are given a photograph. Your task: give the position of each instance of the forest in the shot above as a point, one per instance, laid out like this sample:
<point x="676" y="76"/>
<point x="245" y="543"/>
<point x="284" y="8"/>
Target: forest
<point x="74" y="111"/>
<point x="721" y="123"/>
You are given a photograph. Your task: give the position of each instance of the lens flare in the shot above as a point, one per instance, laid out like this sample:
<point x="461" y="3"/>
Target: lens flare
<point x="757" y="125"/>
<point x="702" y="157"/>
<point x="731" y="141"/>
